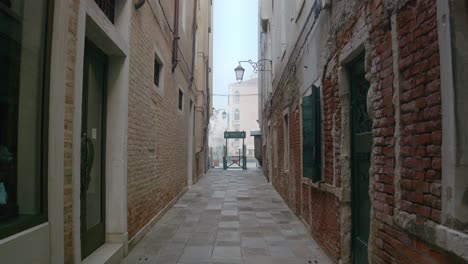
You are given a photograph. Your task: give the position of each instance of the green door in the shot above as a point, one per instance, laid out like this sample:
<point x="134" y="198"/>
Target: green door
<point x="361" y="146"/>
<point x="93" y="150"/>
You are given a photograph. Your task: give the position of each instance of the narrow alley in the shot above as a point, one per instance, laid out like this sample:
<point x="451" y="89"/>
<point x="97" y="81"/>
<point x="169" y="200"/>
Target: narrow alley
<point x="229" y="217"/>
<point x="233" y="131"/>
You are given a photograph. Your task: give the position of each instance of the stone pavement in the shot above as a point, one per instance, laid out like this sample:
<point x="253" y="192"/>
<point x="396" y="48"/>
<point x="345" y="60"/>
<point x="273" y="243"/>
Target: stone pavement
<point x="229" y="217"/>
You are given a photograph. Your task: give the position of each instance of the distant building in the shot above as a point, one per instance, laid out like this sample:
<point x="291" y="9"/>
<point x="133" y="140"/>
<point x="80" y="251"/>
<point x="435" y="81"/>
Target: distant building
<point x="218" y="124"/>
<point x="243" y="115"/>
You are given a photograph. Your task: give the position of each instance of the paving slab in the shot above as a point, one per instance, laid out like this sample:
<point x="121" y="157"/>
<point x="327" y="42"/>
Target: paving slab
<point x="233" y="217"/>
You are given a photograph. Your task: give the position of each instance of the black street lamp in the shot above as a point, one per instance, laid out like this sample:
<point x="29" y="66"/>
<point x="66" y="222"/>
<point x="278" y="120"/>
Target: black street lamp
<point x="239" y="73"/>
<point x="224" y="114"/>
<point x="260" y="65"/>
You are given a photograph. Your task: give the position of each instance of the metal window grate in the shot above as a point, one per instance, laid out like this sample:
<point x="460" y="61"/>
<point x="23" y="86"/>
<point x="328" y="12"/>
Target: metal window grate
<point x="107" y="6"/>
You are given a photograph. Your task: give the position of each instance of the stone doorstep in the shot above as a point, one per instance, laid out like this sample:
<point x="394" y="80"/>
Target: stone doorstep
<point x="109" y="253"/>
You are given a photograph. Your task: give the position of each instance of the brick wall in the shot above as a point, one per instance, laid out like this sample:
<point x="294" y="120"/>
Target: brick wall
<point x="295" y="153"/>
<point x="157" y="135"/>
<point x="418" y="111"/>
<point x="325" y="227"/>
<point x="306" y="201"/>
<point x="402" y="66"/>
<point x="420" y="106"/>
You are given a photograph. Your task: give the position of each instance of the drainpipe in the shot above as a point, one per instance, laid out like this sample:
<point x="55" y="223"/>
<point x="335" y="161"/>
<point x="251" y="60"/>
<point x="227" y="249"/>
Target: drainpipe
<point x="175" y="41"/>
<point x="194" y="42"/>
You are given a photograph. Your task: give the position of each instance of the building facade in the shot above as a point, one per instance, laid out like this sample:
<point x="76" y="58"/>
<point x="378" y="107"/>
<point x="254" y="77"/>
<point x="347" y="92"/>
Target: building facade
<point x="361" y="127"/>
<point x="98" y="127"/>
<point x="218" y="125"/>
<point x="243" y="115"/>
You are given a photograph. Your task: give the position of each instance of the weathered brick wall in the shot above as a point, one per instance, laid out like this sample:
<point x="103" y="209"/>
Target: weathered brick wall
<point x="68" y="144"/>
<point x="331" y="127"/>
<point x="157" y="135"/>
<point x="280" y="176"/>
<point x="295" y="154"/>
<point x="407" y="108"/>
<point x="402" y="66"/>
<point x="420" y="106"/>
<point x="325" y="227"/>
<point x="306" y="201"/>
<point x="284" y="179"/>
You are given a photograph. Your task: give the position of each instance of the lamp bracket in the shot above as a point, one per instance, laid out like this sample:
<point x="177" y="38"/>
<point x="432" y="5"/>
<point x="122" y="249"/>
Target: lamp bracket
<point x="261" y="65"/>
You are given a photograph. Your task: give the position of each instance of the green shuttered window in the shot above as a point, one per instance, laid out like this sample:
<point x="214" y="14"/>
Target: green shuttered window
<point x="311" y="136"/>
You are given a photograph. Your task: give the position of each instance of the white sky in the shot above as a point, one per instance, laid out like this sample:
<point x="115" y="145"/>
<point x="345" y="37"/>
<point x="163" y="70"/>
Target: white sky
<point x="235" y="37"/>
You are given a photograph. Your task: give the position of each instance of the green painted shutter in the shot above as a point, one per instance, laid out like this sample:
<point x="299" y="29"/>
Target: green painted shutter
<point x="311" y="136"/>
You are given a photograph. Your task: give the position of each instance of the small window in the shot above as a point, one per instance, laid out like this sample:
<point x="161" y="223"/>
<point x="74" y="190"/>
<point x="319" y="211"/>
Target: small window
<point x="184" y="14"/>
<point x="181" y="100"/>
<point x="286" y="141"/>
<point x="237" y="97"/>
<point x="157" y="71"/>
<point x="237" y="115"/>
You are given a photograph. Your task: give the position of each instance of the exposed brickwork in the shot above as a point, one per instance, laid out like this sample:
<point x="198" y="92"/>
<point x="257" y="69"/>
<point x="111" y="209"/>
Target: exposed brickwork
<point x="406" y="110"/>
<point x="295" y="151"/>
<point x="280" y="176"/>
<point x="420" y="110"/>
<point x="305" y="214"/>
<point x="157" y="153"/>
<point x="325" y="227"/>
<point x="331" y="126"/>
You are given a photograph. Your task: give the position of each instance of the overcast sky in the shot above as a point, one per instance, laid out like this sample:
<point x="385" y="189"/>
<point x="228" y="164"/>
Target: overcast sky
<point x="235" y="38"/>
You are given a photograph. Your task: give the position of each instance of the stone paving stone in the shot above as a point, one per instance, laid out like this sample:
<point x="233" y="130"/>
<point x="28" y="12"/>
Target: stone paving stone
<point x="252" y="252"/>
<point x="232" y="217"/>
<point x="200" y="253"/>
<point x="232" y="252"/>
<point x="229" y="224"/>
<point x="280" y="251"/>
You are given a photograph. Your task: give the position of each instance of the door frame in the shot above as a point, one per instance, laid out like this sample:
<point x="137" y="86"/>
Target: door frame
<point x="114" y="41"/>
<point x="86" y="247"/>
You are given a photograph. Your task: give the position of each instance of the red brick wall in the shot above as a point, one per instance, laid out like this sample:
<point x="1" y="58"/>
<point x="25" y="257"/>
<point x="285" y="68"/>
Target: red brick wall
<point x="417" y="111"/>
<point x="331" y="109"/>
<point x="295" y="153"/>
<point x="280" y="177"/>
<point x="420" y="110"/>
<point x="309" y="203"/>
<point x="305" y="213"/>
<point x="420" y="120"/>
<point x="326" y="227"/>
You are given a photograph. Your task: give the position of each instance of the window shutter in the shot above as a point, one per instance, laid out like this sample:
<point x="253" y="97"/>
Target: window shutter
<point x="311" y="136"/>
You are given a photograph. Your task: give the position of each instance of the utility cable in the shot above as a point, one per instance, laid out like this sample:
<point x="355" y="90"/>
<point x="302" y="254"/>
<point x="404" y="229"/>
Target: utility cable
<point x="235" y="95"/>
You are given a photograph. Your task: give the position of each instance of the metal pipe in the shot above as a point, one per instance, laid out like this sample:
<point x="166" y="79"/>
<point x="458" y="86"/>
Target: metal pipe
<point x="194" y="42"/>
<point x="175" y="41"/>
